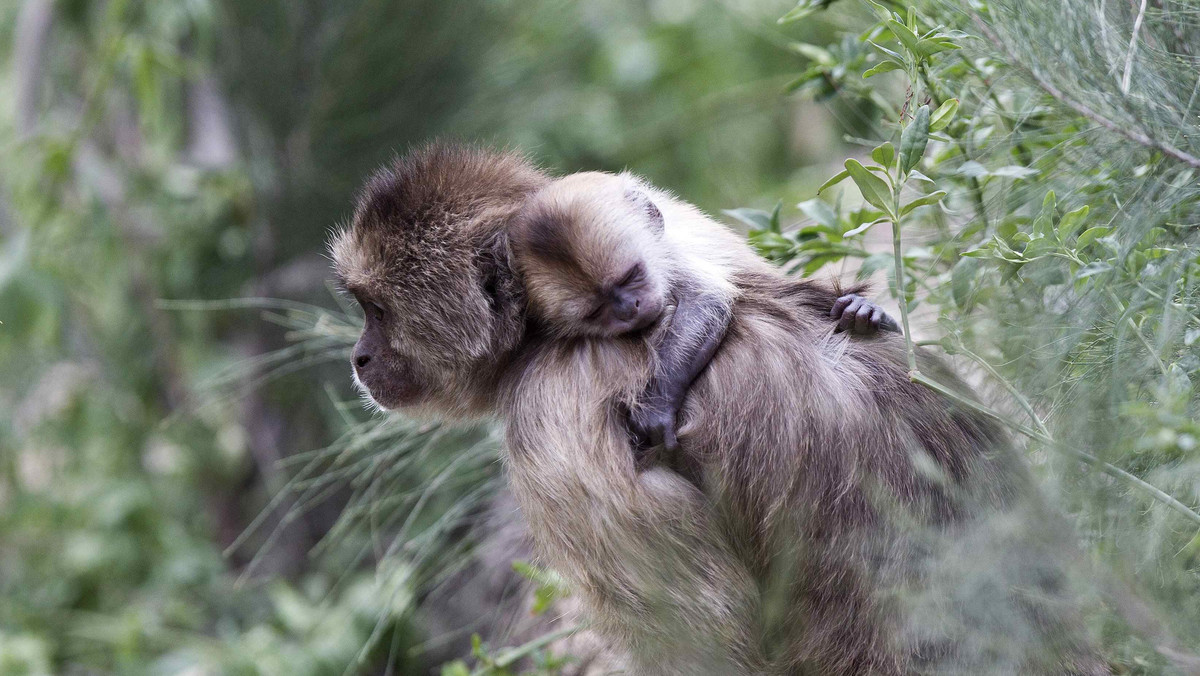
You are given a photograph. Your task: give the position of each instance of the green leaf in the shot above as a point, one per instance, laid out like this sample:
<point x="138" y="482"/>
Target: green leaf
<point x="755" y="218"/>
<point x="984" y="251"/>
<point x="931" y="198"/>
<point x="961" y="278"/>
<point x="819" y="262"/>
<point x="874" y="263"/>
<point x="1006" y="230"/>
<point x="933" y="46"/>
<point x="838" y="178"/>
<point x="1049" y="203"/>
<point x="1009" y="270"/>
<point x="1071" y="222"/>
<point x="819" y="211"/>
<point x="477" y="646"/>
<point x="1135" y="261"/>
<point x="882" y="67"/>
<point x="884" y="154"/>
<point x="801" y="10"/>
<point x="1038" y="247"/>
<point x="770" y="244"/>
<point x="775" y="217"/>
<point x="1013" y="171"/>
<point x="1092" y="269"/>
<point x="944" y="115"/>
<point x="882" y="12"/>
<point x="874" y="189"/>
<point x="1090" y="235"/>
<point x="807" y="76"/>
<point x="894" y="56"/>
<point x="863" y="228"/>
<point x="455" y="668"/>
<point x="972" y="169"/>
<point x="813" y="52"/>
<point x="914" y="139"/>
<point x="905" y="36"/>
<point x="809" y="232"/>
<point x="1043" y="227"/>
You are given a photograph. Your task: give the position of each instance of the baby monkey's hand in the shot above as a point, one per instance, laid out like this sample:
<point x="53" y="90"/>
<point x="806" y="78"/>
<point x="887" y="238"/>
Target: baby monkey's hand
<point x="860" y="316"/>
<point x="652" y="424"/>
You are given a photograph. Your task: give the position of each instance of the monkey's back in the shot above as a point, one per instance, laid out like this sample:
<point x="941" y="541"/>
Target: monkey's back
<point x="887" y="521"/>
<point x="848" y="520"/>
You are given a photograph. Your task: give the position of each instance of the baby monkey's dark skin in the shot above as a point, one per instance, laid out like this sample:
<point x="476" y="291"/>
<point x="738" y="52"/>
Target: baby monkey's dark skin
<point x="696" y="331"/>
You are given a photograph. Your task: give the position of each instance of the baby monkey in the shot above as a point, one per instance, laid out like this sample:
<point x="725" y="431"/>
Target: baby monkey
<point x="605" y="255"/>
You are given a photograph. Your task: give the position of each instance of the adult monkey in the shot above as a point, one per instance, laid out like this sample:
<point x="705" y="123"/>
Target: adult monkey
<point x="427" y="259"/>
<point x="832" y="479"/>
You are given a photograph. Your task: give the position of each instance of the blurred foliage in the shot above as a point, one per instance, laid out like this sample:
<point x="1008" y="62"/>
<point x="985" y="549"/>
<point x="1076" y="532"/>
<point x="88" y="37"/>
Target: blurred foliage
<point x="156" y="157"/>
<point x="1037" y="167"/>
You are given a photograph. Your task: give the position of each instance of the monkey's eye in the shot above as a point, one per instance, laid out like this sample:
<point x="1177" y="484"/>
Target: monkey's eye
<point x="594" y="314"/>
<point x="635" y="274"/>
<point x="372" y="310"/>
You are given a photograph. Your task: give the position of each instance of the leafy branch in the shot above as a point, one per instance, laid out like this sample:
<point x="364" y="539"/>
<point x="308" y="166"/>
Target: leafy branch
<point x="885" y="181"/>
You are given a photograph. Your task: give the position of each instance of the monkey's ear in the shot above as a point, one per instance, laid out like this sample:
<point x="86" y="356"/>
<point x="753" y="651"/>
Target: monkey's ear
<point x="494" y="261"/>
<point x="647" y="205"/>
<point x="503" y="291"/>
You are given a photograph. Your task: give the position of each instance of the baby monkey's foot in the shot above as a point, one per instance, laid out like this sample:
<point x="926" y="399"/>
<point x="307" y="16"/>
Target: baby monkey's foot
<point x="652" y="423"/>
<point x="859" y="315"/>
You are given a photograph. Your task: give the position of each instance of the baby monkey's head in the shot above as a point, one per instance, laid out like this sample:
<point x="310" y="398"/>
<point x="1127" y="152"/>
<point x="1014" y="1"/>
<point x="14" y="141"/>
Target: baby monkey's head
<point x="590" y="250"/>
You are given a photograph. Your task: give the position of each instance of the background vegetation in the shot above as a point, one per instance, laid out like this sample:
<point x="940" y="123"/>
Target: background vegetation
<point x="187" y="483"/>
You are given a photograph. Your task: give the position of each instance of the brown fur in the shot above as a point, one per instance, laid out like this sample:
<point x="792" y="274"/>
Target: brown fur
<point x="832" y="485"/>
<point x="460" y="308"/>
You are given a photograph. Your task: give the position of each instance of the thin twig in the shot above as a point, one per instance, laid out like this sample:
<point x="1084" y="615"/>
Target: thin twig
<point x="1133" y="39"/>
<point x="1138" y="332"/>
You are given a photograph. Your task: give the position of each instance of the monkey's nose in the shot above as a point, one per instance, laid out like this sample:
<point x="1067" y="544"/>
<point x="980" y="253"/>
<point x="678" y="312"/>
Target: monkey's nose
<point x="625" y="308"/>
<point x="362" y="360"/>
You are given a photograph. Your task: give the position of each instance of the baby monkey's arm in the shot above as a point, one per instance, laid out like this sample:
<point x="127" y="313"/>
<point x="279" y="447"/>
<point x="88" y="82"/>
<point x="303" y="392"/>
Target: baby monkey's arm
<point x="697" y="328"/>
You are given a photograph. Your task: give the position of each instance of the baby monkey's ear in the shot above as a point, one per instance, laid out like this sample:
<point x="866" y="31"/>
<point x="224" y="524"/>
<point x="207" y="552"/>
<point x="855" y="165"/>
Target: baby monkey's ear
<point x="643" y="202"/>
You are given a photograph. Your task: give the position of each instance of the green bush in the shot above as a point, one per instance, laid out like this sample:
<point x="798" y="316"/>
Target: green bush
<point x="1037" y="168"/>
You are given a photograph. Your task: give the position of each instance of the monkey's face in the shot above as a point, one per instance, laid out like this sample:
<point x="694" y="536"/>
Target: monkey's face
<point x="606" y="306"/>
<point x="433" y="326"/>
<point x="589" y="248"/>
<point x="426" y="257"/>
<point x="383" y="372"/>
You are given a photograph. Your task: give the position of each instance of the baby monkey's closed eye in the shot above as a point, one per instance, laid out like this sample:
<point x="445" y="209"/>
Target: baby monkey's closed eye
<point x="635" y="274"/>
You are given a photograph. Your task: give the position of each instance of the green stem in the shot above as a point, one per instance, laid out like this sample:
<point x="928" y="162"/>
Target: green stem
<point x="511" y="656"/>
<point x="1012" y="390"/>
<point x="1138" y="332"/>
<point x="934" y="385"/>
<point x="901" y="291"/>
